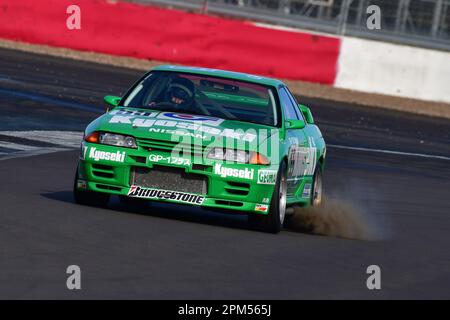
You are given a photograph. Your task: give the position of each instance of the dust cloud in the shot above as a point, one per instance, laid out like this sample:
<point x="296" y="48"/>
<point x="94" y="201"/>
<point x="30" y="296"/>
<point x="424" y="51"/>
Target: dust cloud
<point x="339" y="218"/>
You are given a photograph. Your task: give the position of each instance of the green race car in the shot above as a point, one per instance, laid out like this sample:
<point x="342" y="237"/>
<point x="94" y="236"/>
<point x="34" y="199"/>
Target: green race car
<point x="204" y="137"/>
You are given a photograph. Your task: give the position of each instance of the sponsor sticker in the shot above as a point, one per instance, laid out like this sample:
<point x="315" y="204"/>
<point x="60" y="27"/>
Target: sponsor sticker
<point x="267" y="176"/>
<point x="83" y="152"/>
<point x="190" y="117"/>
<point x="134" y="113"/>
<point x="118" y="156"/>
<point x="81" y="184"/>
<point x="179" y="132"/>
<point x="169" y="160"/>
<point x="174" y="124"/>
<point x="261" y="207"/>
<point x="225" y="172"/>
<point x="150" y="193"/>
<point x="306" y="190"/>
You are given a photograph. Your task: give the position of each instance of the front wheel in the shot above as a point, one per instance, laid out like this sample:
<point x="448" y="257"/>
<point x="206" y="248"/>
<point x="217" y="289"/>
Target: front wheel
<point x="273" y="221"/>
<point x="89" y="198"/>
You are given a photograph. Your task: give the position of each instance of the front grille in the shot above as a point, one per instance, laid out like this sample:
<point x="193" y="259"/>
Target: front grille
<point x="169" y="146"/>
<point x="168" y="178"/>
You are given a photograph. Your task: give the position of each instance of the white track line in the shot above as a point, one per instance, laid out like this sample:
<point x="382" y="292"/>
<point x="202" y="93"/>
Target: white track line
<point x="430" y="156"/>
<point x="67" y="139"/>
<point x="23" y="154"/>
<point x="16" y="146"/>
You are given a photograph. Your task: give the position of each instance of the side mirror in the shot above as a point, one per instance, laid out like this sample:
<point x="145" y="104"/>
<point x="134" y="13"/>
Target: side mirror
<point x="112" y="101"/>
<point x="295" y="124"/>
<point x="306" y="113"/>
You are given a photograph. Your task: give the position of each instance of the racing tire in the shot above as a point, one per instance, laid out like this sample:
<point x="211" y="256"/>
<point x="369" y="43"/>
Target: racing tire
<point x="273" y="221"/>
<point x="89" y="198"/>
<point x="317" y="189"/>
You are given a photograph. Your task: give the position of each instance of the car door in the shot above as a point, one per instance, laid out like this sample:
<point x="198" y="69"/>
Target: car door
<point x="296" y="143"/>
<point x="314" y="141"/>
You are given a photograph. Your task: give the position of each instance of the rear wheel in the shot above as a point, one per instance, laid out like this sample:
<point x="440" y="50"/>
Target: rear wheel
<point x="89" y="198"/>
<point x="316" y="195"/>
<point x="273" y="221"/>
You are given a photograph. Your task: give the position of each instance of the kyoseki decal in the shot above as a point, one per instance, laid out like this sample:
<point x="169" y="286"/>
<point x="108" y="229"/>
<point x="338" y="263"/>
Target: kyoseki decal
<point x="124" y="117"/>
<point x="118" y="156"/>
<point x="225" y="172"/>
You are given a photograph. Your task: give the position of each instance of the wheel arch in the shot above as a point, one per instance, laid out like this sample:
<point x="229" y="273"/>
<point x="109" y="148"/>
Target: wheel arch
<point x="321" y="162"/>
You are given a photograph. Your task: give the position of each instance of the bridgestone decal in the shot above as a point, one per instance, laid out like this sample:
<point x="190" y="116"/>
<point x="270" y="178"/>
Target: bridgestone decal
<point x="150" y="193"/>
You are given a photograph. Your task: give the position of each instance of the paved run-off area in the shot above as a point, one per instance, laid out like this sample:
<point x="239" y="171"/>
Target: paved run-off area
<point x="166" y="251"/>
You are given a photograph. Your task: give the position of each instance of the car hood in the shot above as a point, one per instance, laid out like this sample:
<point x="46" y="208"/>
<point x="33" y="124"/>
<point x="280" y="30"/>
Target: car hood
<point x="189" y="128"/>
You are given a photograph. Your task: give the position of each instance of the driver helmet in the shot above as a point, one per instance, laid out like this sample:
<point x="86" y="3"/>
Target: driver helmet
<point x="180" y="92"/>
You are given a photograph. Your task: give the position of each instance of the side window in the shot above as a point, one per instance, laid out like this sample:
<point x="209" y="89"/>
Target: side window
<point x="287" y="105"/>
<point x="294" y="101"/>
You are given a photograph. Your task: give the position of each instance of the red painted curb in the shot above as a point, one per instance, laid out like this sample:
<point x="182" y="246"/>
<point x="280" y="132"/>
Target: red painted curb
<point x="132" y="30"/>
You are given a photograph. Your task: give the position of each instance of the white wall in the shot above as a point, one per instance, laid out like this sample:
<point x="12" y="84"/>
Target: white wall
<point x="391" y="69"/>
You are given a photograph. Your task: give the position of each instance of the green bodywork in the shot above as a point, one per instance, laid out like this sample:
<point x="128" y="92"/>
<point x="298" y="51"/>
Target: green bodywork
<point x="178" y="143"/>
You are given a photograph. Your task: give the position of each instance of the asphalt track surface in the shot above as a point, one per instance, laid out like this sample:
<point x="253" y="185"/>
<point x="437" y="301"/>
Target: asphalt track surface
<point x="168" y="251"/>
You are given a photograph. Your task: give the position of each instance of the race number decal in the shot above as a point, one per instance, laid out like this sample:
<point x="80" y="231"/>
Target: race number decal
<point x="311" y="158"/>
<point x="302" y="160"/>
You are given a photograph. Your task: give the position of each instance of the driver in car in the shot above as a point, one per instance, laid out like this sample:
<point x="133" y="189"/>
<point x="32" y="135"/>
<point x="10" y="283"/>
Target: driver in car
<point x="180" y="94"/>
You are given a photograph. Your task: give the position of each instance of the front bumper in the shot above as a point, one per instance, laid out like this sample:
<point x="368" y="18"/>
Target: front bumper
<point x="161" y="176"/>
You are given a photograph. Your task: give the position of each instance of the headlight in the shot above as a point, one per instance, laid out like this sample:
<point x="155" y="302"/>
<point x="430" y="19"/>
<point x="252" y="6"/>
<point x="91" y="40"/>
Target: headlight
<point x="240" y="156"/>
<point x="111" y="139"/>
<point x="118" y="140"/>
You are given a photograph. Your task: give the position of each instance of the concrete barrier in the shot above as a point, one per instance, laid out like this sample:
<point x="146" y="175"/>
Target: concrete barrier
<point x="391" y="69"/>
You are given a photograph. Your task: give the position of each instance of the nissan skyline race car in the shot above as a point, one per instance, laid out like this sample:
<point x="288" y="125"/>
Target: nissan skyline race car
<point x="208" y="138"/>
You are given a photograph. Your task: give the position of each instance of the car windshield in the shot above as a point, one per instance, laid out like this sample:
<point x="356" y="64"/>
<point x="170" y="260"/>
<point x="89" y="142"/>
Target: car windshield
<point x="205" y="95"/>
